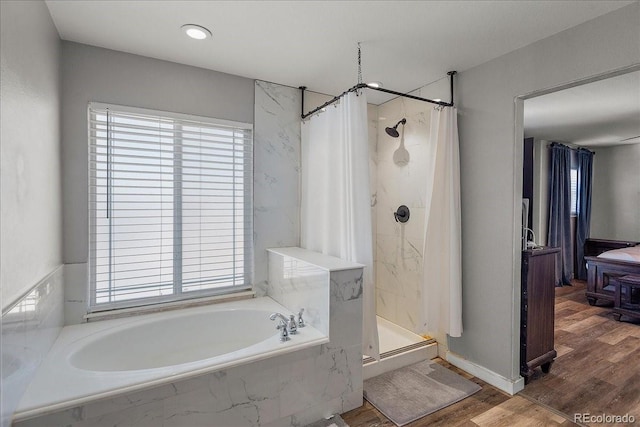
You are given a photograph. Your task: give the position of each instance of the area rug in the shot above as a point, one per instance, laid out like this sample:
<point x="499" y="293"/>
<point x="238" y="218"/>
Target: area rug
<point x="409" y="393"/>
<point x="334" y="421"/>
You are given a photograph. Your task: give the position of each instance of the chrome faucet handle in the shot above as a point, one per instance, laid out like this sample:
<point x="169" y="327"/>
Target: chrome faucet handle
<point x="301" y="323"/>
<point x="284" y="334"/>
<point x="291" y="325"/>
<point x="282" y="326"/>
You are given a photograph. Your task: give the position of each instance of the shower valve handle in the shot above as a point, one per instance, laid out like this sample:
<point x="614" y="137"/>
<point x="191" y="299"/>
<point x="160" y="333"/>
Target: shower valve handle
<point x="402" y="214"/>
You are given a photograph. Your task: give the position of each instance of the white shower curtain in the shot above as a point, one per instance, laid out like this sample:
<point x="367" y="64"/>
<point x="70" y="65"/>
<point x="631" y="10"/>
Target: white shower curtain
<point x="336" y="198"/>
<point x="442" y="269"/>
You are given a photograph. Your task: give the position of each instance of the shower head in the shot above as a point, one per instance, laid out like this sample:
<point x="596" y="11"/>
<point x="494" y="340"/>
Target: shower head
<point x="393" y="131"/>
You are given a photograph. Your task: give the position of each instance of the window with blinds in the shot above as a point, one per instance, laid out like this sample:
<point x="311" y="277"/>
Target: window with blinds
<point x="170" y="213"/>
<point x="573" y="183"/>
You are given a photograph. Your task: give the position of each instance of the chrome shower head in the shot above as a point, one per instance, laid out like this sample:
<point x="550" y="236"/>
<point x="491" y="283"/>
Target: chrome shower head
<point x="393" y="131"/>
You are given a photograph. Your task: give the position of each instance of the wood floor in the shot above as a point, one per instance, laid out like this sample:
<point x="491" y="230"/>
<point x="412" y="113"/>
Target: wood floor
<point x="598" y="365"/>
<point x="488" y="407"/>
<point x="597" y="371"/>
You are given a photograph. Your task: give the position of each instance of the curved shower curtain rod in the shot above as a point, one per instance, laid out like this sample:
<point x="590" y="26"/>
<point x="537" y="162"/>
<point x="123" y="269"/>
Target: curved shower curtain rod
<point x="379" y="89"/>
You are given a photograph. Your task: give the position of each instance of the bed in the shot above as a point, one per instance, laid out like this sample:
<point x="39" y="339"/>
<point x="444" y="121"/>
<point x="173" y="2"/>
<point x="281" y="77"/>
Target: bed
<point x="608" y="260"/>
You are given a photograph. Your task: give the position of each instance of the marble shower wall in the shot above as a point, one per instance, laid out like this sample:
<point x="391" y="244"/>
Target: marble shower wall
<point x="401" y="180"/>
<point x="372" y="128"/>
<point x="276" y="200"/>
<point x="29" y="329"/>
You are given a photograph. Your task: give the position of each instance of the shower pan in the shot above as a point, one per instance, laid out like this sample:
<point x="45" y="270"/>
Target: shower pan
<point x="398" y="348"/>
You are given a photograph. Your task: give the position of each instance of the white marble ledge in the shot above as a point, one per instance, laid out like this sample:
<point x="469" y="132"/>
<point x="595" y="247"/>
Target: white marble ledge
<point x="322" y="261"/>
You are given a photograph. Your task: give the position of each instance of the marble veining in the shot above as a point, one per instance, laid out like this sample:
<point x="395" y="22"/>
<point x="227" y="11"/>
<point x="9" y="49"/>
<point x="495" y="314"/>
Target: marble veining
<point x="348" y="288"/>
<point x="276" y="173"/>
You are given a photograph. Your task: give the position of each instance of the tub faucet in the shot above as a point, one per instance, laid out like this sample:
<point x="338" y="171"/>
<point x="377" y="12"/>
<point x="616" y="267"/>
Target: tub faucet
<point x="282" y="326"/>
<point x="301" y="323"/>
<point x="291" y="325"/>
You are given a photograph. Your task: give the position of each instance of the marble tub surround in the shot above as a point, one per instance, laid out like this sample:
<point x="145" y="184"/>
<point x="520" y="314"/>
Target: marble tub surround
<point x="303" y="278"/>
<point x="299" y="278"/>
<point x="398" y="249"/>
<point x="276" y="173"/>
<point x="291" y="389"/>
<point x="29" y="329"/>
<point x="321" y="261"/>
<point x="297" y="284"/>
<point x="112" y="357"/>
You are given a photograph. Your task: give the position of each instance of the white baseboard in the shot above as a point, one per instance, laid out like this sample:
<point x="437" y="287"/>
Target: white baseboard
<point x="509" y="386"/>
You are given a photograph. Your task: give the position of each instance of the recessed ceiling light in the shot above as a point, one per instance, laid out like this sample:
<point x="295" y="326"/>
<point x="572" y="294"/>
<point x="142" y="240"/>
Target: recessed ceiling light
<point x="196" y="31"/>
<point x="374" y="84"/>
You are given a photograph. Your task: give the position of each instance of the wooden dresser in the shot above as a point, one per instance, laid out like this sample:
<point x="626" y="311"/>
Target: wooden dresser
<point x="537" y="310"/>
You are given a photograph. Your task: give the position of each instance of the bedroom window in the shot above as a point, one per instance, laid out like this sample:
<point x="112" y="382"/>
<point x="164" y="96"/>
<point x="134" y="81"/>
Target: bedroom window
<point x="574" y="191"/>
<point x="170" y="213"/>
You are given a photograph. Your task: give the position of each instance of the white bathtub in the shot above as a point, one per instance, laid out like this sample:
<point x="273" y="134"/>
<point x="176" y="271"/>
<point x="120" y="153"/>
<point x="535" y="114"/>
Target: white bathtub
<point x="107" y="358"/>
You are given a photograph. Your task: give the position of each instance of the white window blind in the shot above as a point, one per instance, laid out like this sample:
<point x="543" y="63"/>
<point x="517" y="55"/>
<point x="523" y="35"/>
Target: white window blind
<point x="574" y="191"/>
<point x="170" y="213"/>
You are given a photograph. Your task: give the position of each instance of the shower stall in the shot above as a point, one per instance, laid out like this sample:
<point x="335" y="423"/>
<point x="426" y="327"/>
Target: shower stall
<point x="409" y="160"/>
<point x="398" y="132"/>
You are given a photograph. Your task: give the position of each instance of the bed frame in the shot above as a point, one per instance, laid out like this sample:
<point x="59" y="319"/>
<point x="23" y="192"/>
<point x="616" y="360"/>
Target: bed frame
<point x="594" y="247"/>
<point x="602" y="275"/>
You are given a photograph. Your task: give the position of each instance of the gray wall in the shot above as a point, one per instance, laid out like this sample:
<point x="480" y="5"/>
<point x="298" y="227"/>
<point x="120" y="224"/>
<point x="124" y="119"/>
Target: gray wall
<point x="102" y="75"/>
<point x="491" y="171"/>
<point x="30" y="193"/>
<point x="615" y="209"/>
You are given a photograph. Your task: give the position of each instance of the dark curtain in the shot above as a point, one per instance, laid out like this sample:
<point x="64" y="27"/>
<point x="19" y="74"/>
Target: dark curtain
<point x="559" y="234"/>
<point x="585" y="170"/>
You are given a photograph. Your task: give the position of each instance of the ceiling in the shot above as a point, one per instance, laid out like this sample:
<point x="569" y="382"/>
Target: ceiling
<point x="605" y="112"/>
<point x="405" y="44"/>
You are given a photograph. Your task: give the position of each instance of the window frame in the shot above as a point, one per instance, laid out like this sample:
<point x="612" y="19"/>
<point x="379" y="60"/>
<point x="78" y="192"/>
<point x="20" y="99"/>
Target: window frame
<point x="177" y="293"/>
